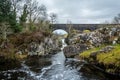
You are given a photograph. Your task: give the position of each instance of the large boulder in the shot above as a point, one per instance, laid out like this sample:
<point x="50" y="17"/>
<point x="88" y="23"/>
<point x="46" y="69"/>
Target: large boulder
<point x="45" y="47"/>
<point x="73" y="50"/>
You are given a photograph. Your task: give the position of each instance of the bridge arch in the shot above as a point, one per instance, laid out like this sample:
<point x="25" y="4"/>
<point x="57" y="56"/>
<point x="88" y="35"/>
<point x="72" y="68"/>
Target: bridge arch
<point x="60" y="32"/>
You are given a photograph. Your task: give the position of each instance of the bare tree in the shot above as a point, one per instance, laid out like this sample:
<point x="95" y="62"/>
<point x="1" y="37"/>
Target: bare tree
<point x="53" y="18"/>
<point x="43" y="17"/>
<point x="35" y="11"/>
<point x="69" y="25"/>
<point x="43" y="13"/>
<point x="116" y="19"/>
<point x="32" y="8"/>
<point x="16" y="5"/>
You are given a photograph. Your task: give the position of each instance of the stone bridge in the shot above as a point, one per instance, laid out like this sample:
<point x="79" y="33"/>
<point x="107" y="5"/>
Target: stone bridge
<point x="81" y="26"/>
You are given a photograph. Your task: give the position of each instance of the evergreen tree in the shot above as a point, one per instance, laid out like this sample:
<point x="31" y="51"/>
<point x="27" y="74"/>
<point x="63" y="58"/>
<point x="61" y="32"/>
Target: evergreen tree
<point x="5" y="10"/>
<point x="24" y="15"/>
<point x="8" y="15"/>
<point x="13" y="22"/>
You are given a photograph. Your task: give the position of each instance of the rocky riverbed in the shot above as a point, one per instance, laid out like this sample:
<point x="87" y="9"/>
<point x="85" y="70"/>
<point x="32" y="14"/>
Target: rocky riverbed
<point x="41" y="56"/>
<point x="101" y="49"/>
<point x="56" y="67"/>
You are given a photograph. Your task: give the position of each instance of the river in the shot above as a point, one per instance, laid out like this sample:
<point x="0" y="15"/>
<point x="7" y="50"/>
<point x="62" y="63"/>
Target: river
<point x="61" y="68"/>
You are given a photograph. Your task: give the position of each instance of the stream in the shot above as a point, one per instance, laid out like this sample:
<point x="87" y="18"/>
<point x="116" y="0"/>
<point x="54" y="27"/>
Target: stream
<point x="61" y="68"/>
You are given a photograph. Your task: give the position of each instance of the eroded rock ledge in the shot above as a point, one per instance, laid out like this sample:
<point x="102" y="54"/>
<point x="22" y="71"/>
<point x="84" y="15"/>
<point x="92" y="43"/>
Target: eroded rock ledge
<point x="102" y="48"/>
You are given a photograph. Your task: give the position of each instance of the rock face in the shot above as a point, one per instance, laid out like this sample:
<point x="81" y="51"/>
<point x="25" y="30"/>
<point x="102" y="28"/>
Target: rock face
<point x="98" y="37"/>
<point x="43" y="48"/>
<point x="105" y="59"/>
<point x="73" y="50"/>
<point x="35" y="43"/>
<point x="92" y="39"/>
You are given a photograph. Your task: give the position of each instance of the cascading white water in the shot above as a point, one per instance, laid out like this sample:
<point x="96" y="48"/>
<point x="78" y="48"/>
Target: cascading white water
<point x="63" y="44"/>
<point x="58" y="70"/>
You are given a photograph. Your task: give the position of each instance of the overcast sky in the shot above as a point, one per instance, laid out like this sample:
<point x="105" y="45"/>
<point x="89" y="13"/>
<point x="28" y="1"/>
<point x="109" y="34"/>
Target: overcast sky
<point x="83" y="11"/>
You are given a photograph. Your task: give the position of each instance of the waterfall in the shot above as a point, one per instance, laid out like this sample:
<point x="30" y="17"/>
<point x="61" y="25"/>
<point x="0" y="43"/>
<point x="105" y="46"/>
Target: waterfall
<point x="63" y="44"/>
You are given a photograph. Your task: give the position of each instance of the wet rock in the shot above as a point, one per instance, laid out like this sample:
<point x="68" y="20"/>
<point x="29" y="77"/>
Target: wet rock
<point x="98" y="71"/>
<point x="88" y="70"/>
<point x="73" y="50"/>
<point x="8" y="63"/>
<point x="36" y="63"/>
<point x="75" y="63"/>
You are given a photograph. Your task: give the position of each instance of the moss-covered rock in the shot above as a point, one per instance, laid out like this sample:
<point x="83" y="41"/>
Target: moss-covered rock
<point x="107" y="58"/>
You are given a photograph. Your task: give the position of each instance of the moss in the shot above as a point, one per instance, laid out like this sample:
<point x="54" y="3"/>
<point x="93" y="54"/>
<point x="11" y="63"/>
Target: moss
<point x="86" y="54"/>
<point x="112" y="57"/>
<point x="110" y="60"/>
<point x="86" y="31"/>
